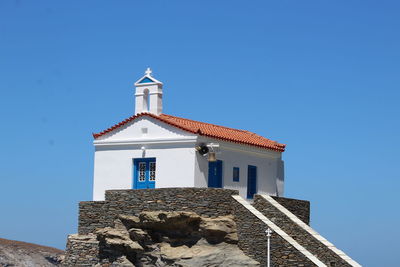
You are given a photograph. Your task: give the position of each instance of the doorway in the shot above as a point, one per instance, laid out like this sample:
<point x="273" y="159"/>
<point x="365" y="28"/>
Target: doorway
<point x="144" y="173"/>
<point x="251" y="181"/>
<point x="215" y="174"/>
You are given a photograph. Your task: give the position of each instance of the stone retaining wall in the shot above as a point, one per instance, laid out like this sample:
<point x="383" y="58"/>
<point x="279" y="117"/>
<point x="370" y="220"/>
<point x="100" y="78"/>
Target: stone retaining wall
<point x="290" y="245"/>
<point x="91" y="216"/>
<point x="208" y="202"/>
<point x="300" y="208"/>
<point x="82" y="250"/>
<point x="253" y="241"/>
<point x="304" y="238"/>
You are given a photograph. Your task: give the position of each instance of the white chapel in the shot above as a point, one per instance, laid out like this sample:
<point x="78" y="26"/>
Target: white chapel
<point x="154" y="150"/>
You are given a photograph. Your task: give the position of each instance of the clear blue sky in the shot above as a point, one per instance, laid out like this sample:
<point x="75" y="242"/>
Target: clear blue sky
<point x="320" y="76"/>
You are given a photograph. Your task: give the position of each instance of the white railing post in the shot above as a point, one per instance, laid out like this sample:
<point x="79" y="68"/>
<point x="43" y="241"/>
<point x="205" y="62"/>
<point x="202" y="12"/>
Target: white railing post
<point x="269" y="232"/>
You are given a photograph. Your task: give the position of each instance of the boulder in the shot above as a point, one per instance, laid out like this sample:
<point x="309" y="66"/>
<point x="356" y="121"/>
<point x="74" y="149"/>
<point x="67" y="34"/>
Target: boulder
<point x="119" y="240"/>
<point x="220" y="229"/>
<point x="128" y="221"/>
<point x="176" y="238"/>
<point x="140" y="236"/>
<point x="122" y="262"/>
<point x="205" y="254"/>
<point x="159" y="224"/>
<point x="169" y="253"/>
<point x="162" y="220"/>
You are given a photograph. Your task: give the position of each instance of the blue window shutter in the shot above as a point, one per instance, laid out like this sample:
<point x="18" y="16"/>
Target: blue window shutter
<point x="236" y="174"/>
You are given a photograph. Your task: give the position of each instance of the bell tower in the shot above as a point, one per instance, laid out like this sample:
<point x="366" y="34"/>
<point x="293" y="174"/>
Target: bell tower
<point x="148" y="95"/>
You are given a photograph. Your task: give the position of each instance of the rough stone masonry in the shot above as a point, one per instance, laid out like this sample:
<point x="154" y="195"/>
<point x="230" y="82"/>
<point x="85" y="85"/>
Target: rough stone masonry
<point x="100" y="220"/>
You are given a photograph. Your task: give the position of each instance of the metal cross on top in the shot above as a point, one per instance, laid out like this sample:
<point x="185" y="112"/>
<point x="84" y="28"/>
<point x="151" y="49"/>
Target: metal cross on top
<point x="148" y="72"/>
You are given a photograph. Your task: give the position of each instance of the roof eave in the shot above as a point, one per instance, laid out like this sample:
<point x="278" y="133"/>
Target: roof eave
<point x="279" y="147"/>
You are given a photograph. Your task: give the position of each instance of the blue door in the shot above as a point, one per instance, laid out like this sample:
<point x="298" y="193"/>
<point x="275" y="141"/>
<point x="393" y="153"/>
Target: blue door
<point x="251" y="181"/>
<point x="144" y="173"/>
<point x="215" y="174"/>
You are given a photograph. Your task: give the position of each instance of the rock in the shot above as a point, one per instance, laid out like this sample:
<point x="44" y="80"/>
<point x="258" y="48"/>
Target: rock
<point x="88" y="237"/>
<point x="140" y="236"/>
<point x="118" y="224"/>
<point x="176" y="227"/>
<point x="181" y="221"/>
<point x="118" y="262"/>
<point x="169" y="253"/>
<point x="205" y="254"/>
<point x="220" y="229"/>
<point x="129" y="221"/>
<point x="119" y="240"/>
<point x="111" y="233"/>
<point x="122" y="262"/>
<point x="231" y="238"/>
<point x="176" y="238"/>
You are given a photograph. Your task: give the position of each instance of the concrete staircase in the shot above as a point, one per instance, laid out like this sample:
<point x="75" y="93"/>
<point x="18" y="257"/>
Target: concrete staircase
<point x="285" y="251"/>
<point x="302" y="234"/>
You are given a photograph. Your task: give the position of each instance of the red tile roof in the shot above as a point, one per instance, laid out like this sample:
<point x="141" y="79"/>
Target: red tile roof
<point x="206" y="129"/>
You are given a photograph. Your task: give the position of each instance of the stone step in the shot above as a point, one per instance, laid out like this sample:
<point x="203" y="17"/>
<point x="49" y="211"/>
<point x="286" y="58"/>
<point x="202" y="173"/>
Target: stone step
<point x="301" y="232"/>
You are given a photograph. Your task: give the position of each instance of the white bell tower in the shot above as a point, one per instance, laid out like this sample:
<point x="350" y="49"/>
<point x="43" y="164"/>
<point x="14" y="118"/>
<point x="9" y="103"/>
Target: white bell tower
<point x="148" y="95"/>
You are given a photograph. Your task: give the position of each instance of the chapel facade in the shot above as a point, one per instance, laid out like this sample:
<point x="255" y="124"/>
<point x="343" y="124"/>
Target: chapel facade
<point x="154" y="150"/>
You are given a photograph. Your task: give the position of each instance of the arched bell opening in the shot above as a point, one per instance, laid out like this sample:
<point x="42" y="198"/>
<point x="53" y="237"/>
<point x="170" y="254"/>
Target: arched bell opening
<point x="146" y="100"/>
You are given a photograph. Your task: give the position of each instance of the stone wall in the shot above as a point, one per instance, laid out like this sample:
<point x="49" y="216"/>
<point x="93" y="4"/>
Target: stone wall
<point x="91" y="216"/>
<point x="211" y="202"/>
<point x="298" y="233"/>
<point x="253" y="241"/>
<point x="300" y="208"/>
<point x="82" y="250"/>
<point x="208" y="202"/>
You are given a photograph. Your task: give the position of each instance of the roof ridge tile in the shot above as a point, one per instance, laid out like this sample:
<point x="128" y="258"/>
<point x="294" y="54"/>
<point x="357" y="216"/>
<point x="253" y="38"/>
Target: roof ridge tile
<point x="212" y="124"/>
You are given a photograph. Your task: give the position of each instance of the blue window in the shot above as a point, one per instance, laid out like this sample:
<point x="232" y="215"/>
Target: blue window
<point x="236" y="174"/>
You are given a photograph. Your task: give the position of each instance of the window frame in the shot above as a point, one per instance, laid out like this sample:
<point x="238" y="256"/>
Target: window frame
<point x="236" y="174"/>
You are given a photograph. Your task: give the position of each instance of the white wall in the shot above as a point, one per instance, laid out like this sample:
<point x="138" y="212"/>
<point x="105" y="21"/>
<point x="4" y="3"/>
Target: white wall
<point x="178" y="163"/>
<point x="155" y="96"/>
<point x="114" y="154"/>
<point x="114" y="166"/>
<point x="269" y="164"/>
<point x="134" y="132"/>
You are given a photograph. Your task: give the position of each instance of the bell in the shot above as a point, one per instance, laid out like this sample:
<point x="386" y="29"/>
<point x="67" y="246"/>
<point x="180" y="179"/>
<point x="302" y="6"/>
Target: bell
<point x="211" y="157"/>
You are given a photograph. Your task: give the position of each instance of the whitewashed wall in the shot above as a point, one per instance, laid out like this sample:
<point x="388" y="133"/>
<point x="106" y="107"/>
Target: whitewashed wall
<point x="269" y="168"/>
<point x="178" y="164"/>
<point x="114" y="154"/>
<point x="114" y="166"/>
